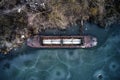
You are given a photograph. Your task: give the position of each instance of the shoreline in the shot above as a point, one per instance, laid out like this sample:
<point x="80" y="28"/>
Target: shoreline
<point x="51" y="32"/>
<point x="27" y="18"/>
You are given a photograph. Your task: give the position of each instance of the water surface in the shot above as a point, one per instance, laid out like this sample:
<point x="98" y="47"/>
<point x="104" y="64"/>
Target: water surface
<point x="99" y="63"/>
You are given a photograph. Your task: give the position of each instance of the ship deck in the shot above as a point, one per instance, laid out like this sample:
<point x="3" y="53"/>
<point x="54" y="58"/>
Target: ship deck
<point x="60" y="41"/>
<point x="56" y="41"/>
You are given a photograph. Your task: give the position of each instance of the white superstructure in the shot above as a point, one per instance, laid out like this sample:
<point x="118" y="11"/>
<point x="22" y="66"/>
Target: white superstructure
<point x="61" y="41"/>
<point x="51" y="41"/>
<point x="71" y="41"/>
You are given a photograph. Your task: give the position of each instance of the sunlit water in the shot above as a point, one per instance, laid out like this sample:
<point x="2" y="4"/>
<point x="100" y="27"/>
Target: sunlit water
<point x="100" y="63"/>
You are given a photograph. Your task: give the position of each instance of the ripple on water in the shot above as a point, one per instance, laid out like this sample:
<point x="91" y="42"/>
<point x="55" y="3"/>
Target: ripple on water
<point x="71" y="58"/>
<point x="100" y="75"/>
<point x="32" y="74"/>
<point x="100" y="55"/>
<point x="7" y="71"/>
<point x="5" y="64"/>
<point x="113" y="66"/>
<point x="94" y="58"/>
<point x="46" y="60"/>
<point x="58" y="72"/>
<point x="24" y="61"/>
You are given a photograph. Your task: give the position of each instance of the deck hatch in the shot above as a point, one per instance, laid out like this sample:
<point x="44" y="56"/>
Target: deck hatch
<point x="71" y="41"/>
<point x="51" y="41"/>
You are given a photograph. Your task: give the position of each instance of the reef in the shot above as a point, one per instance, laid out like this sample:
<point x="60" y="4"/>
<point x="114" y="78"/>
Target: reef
<point x="20" y="19"/>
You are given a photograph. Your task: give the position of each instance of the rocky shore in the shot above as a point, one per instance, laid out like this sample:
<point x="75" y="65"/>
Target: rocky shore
<point x="20" y="19"/>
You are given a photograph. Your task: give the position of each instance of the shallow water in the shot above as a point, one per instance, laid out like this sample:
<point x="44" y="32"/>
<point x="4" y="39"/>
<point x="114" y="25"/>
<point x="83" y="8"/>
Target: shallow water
<point x="100" y="63"/>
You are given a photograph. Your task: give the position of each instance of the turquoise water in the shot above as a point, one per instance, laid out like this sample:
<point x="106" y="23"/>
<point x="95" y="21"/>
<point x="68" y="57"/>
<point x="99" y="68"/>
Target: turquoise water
<point x="99" y="63"/>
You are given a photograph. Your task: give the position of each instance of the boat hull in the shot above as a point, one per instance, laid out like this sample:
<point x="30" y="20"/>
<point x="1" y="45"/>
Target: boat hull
<point x="61" y="41"/>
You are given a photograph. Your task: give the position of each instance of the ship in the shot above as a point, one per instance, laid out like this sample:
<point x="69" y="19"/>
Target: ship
<point x="40" y="41"/>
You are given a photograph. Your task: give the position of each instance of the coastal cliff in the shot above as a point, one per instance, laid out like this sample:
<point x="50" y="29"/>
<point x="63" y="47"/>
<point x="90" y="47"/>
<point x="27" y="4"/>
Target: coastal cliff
<point x="20" y="19"/>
